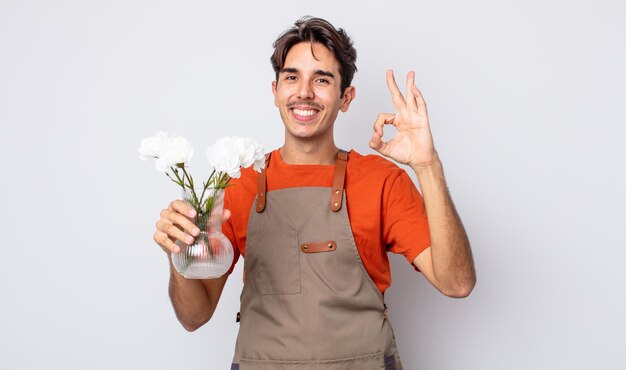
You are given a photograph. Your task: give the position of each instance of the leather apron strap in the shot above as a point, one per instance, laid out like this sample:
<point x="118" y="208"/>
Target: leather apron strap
<point x="262" y="186"/>
<point x="339" y="180"/>
<point x="337" y="190"/>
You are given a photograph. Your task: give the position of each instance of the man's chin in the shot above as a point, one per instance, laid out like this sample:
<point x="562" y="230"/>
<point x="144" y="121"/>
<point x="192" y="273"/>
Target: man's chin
<point x="302" y="134"/>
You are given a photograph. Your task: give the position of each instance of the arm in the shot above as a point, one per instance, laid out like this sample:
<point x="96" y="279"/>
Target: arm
<point x="194" y="301"/>
<point x="447" y="263"/>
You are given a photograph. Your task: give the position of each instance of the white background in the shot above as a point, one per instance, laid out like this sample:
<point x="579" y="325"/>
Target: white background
<point x="526" y="100"/>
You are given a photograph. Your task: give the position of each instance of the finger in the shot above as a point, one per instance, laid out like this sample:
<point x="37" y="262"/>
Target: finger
<point x="166" y="244"/>
<point x="410" y="97"/>
<point x="171" y="246"/>
<point x="396" y="95"/>
<point x="226" y="215"/>
<point x="377" y="143"/>
<point x="183" y="208"/>
<point x="421" y="103"/>
<point x="181" y="220"/>
<point x="382" y="120"/>
<point x="174" y="232"/>
<point x="218" y="219"/>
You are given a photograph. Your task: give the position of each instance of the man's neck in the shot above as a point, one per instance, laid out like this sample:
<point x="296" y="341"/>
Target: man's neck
<point x="309" y="153"/>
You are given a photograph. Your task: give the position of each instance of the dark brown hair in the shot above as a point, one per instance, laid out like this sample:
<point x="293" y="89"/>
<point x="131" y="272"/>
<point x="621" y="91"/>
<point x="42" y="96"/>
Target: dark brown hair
<point x="309" y="29"/>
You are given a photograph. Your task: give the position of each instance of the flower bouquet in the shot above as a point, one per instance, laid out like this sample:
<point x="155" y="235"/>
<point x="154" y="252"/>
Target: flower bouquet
<point x="211" y="253"/>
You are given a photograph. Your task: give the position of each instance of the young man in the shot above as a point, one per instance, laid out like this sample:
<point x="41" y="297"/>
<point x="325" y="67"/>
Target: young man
<point x="316" y="225"/>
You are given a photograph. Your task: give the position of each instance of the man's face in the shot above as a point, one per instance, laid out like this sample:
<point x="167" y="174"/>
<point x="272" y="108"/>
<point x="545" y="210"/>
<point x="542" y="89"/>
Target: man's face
<point x="308" y="92"/>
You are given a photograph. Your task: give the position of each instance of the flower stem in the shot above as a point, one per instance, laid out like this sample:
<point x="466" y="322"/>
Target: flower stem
<point x="196" y="203"/>
<point x="176" y="182"/>
<point x="180" y="181"/>
<point x="206" y="185"/>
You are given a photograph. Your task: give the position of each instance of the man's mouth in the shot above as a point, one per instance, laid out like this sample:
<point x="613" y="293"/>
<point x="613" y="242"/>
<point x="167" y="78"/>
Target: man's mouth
<point x="304" y="113"/>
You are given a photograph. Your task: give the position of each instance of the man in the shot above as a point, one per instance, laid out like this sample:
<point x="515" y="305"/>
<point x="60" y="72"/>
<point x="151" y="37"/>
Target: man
<point x="316" y="224"/>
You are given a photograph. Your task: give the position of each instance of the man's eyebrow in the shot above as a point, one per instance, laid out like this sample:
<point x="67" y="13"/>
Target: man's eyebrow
<point x="289" y="70"/>
<point x="319" y="72"/>
<point x="324" y="73"/>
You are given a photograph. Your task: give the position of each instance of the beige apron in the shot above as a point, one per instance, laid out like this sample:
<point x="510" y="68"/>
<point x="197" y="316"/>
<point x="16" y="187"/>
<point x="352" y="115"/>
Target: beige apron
<point x="307" y="301"/>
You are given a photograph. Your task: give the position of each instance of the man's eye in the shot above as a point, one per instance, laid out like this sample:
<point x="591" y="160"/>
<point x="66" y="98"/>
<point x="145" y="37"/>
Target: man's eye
<point x="290" y="78"/>
<point x="323" y="81"/>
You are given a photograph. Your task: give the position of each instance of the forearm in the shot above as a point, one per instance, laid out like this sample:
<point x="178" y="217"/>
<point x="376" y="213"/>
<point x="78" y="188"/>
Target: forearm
<point x="452" y="262"/>
<point x="190" y="300"/>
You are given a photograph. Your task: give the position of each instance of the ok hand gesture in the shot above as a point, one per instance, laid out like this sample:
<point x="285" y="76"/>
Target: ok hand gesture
<point x="413" y="143"/>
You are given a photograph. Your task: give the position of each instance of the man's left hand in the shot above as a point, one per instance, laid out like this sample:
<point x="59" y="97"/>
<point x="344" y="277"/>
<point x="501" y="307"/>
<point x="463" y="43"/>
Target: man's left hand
<point x="413" y="143"/>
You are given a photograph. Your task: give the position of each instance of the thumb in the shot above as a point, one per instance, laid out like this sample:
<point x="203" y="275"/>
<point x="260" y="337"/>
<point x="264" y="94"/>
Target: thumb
<point x="377" y="143"/>
<point x="226" y="215"/>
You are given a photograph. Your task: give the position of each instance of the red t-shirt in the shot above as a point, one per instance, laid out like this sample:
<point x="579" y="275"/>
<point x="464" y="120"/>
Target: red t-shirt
<point x="385" y="209"/>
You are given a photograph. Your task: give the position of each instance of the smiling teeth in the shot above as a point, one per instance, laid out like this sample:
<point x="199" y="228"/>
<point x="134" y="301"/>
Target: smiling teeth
<point x="306" y="113"/>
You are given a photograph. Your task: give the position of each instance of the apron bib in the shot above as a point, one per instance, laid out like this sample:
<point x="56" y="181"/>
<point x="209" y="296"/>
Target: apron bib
<point x="307" y="301"/>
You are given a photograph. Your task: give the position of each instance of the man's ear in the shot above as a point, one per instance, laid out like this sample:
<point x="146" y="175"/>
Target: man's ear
<point x="348" y="96"/>
<point x="274" y="85"/>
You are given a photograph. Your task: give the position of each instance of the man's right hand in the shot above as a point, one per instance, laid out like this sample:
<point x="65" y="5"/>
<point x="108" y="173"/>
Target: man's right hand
<point x="176" y="223"/>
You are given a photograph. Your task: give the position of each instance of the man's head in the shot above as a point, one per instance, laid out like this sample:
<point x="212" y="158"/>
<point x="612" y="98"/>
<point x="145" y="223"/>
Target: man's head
<point x="316" y="30"/>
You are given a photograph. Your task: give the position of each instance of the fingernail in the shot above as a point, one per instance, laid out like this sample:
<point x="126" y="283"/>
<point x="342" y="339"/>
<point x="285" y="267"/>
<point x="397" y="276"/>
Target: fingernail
<point x="192" y="212"/>
<point x="176" y="249"/>
<point x="195" y="231"/>
<point x="189" y="239"/>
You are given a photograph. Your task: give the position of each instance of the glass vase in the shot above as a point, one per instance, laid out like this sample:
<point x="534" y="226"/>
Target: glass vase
<point x="211" y="253"/>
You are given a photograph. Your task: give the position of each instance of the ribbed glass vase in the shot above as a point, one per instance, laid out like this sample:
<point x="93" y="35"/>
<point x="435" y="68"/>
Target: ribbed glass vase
<point x="211" y="253"/>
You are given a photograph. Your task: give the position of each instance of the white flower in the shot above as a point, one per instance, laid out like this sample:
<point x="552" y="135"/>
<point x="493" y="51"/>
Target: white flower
<point x="245" y="146"/>
<point x="223" y="157"/>
<point x="168" y="151"/>
<point x="151" y="146"/>
<point x="259" y="159"/>
<point x="252" y="154"/>
<point x="229" y="154"/>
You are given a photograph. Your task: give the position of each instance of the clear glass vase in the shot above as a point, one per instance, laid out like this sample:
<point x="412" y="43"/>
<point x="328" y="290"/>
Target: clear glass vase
<point x="211" y="253"/>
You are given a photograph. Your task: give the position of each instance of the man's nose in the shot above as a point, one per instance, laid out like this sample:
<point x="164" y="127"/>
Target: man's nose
<point x="305" y="90"/>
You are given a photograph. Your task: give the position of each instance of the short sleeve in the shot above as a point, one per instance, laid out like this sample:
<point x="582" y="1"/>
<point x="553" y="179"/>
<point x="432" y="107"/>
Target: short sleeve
<point x="405" y="224"/>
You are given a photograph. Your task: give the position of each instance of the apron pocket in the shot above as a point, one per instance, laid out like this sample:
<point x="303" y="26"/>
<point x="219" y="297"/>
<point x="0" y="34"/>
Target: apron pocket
<point x="273" y="258"/>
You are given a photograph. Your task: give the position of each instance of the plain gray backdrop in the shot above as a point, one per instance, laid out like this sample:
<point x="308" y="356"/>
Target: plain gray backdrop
<point x="526" y="102"/>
